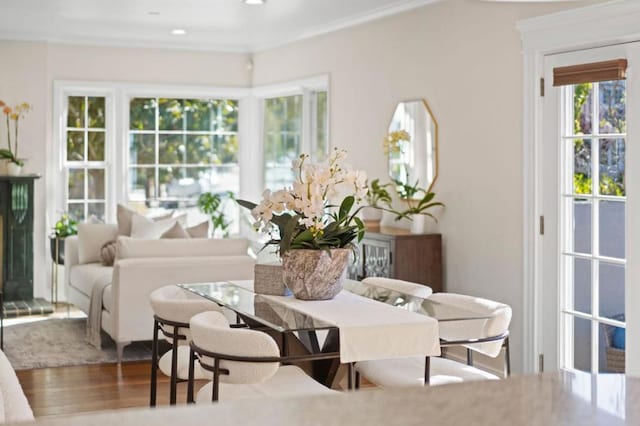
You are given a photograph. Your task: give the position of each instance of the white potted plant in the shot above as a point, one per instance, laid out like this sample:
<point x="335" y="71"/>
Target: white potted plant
<point x="15" y="164"/>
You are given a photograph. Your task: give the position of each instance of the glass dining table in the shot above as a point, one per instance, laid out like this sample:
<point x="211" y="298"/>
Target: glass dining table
<point x="280" y="320"/>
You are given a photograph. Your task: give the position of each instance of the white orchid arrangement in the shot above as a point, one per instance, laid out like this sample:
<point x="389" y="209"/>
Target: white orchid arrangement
<point x="315" y="213"/>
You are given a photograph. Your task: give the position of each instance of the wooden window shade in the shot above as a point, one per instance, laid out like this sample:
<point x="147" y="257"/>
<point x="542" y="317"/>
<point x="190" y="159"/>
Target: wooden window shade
<point x="587" y="73"/>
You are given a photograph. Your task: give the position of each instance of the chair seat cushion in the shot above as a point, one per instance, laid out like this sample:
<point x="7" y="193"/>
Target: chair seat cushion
<point x="404" y="372"/>
<point x="289" y="381"/>
<point x="84" y="277"/>
<point x="199" y="373"/>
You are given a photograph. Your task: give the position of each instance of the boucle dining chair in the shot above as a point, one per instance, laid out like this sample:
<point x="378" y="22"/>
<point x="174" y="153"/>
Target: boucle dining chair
<point x="245" y="364"/>
<point x="173" y="307"/>
<point x="407" y="287"/>
<point x="488" y="336"/>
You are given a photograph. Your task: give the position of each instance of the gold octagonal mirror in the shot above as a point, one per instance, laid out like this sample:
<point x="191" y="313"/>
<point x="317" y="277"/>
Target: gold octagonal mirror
<point x="412" y="146"/>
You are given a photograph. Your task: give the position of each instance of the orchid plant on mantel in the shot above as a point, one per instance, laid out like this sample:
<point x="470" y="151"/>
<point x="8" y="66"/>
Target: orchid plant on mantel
<point x="13" y="115"/>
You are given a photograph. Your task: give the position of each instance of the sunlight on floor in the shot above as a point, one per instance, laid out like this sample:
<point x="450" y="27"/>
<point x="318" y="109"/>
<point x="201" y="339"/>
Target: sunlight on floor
<point x="62" y="310"/>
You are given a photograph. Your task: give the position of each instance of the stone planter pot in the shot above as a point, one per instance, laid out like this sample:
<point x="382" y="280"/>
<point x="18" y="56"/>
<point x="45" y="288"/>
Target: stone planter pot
<point x="315" y="274"/>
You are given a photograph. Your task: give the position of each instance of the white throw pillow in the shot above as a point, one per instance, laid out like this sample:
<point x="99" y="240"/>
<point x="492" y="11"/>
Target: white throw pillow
<point x="141" y="227"/>
<point x="91" y="238"/>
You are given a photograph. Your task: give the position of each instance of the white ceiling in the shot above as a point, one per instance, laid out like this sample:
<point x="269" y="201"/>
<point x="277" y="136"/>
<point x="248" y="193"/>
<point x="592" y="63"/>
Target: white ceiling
<point x="228" y="25"/>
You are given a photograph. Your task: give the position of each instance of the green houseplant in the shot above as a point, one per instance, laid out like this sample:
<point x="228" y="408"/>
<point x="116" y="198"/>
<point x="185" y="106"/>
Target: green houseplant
<point x="213" y="205"/>
<point x="63" y="228"/>
<point x="378" y="199"/>
<point x="313" y="224"/>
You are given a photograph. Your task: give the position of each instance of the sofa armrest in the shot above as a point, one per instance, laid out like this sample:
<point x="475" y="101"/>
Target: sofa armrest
<point x="135" y="279"/>
<point x="71" y="256"/>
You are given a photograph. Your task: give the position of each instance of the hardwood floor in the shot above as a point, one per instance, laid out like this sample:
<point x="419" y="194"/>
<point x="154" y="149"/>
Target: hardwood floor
<point x="87" y="388"/>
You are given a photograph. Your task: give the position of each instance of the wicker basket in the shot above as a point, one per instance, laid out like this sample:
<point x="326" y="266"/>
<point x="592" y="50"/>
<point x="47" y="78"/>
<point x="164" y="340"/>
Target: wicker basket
<point x="614" y="357"/>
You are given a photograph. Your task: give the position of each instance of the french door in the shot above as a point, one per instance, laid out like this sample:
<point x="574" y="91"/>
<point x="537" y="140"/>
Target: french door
<point x="588" y="137"/>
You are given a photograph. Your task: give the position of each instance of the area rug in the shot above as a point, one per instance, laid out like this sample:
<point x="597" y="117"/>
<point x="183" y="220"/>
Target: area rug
<point x="60" y="342"/>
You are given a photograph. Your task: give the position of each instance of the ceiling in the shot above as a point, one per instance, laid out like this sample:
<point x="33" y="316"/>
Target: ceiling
<point x="226" y="25"/>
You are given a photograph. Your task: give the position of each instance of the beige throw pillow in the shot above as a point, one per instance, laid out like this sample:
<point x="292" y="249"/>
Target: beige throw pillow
<point x="176" y="231"/>
<point x="108" y="253"/>
<point x="125" y="219"/>
<point x="199" y="231"/>
<point x="91" y="238"/>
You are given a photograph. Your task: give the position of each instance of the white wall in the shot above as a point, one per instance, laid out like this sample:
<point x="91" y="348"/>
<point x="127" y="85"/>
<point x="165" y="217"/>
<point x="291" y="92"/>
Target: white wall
<point x="463" y="57"/>
<point x="27" y="74"/>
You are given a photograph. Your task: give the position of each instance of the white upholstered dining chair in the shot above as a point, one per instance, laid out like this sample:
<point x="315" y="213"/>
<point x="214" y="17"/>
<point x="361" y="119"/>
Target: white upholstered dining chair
<point x="244" y="363"/>
<point x="407" y="287"/>
<point x="173" y="307"/>
<point x="487" y="336"/>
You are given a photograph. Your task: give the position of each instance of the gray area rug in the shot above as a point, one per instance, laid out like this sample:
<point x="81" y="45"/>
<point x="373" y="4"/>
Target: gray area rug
<point x="60" y="342"/>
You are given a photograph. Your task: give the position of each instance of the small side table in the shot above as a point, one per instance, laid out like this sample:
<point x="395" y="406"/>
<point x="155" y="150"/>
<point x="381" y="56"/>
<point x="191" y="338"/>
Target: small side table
<point x="56" y="248"/>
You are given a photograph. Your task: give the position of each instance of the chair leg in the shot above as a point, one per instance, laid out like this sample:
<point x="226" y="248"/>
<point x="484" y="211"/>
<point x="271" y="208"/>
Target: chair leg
<point x="358" y="379"/>
<point x="427" y="371"/>
<point x="120" y="350"/>
<point x="216" y="380"/>
<point x="507" y="357"/>
<point x="351" y="379"/>
<point x="190" y="384"/>
<point x="154" y="365"/>
<point x="174" y="368"/>
<point x="469" y="357"/>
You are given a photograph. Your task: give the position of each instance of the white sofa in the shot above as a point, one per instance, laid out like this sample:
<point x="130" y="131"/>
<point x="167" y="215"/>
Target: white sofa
<point x="142" y="266"/>
<point x="14" y="406"/>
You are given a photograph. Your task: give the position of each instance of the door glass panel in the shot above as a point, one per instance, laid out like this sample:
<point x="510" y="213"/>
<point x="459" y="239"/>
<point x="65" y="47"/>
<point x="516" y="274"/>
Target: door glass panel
<point x="612" y="156"/>
<point x="582" y="226"/>
<point x="581" y="344"/>
<point x="612" y="232"/>
<point x="95" y="184"/>
<point x="95" y="147"/>
<point x="75" y="146"/>
<point x="613" y="343"/>
<point x="582" y="166"/>
<point x="612" y="106"/>
<point x="96" y="211"/>
<point x="582" y="108"/>
<point x="75" y="112"/>
<point x="582" y="285"/>
<point x="611" y="290"/>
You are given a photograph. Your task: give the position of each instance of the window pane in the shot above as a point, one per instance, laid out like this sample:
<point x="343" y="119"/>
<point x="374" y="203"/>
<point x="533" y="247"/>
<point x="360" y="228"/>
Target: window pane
<point x="172" y="149"/>
<point x="171" y="115"/>
<point x="582" y="108"/>
<point x="224" y="178"/>
<point x="278" y="177"/>
<point x="75" y="146"/>
<point x="612" y="229"/>
<point x="142" y="114"/>
<point x="96" y="184"/>
<point x="76" y="211"/>
<point x="96" y="211"/>
<point x="174" y="183"/>
<point x="612" y="105"/>
<point x="200" y="114"/>
<point x="75" y="112"/>
<point x="199" y="149"/>
<point x="76" y="184"/>
<point x="582" y="166"/>
<point x="96" y="112"/>
<point x="227" y="116"/>
<point x="612" y="352"/>
<point x="612" y="156"/>
<point x="142" y="149"/>
<point x="611" y="290"/>
<point x="294" y="113"/>
<point x="322" y="126"/>
<point x="96" y="146"/>
<point x="226" y="149"/>
<point x="581" y="344"/>
<point x="582" y="285"/>
<point x="142" y="184"/>
<point x="582" y="226"/>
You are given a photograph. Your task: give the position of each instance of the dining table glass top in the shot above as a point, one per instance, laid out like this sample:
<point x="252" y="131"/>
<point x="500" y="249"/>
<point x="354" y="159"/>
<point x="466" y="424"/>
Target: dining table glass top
<point x="270" y="312"/>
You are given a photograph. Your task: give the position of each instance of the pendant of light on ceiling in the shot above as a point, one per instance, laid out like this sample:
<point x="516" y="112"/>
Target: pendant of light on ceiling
<point x="254" y="2"/>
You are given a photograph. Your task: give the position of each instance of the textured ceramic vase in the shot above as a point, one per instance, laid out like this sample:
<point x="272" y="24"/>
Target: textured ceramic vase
<point x="315" y="274"/>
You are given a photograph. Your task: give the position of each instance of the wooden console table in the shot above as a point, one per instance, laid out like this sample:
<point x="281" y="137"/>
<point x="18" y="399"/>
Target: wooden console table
<point x="397" y="253"/>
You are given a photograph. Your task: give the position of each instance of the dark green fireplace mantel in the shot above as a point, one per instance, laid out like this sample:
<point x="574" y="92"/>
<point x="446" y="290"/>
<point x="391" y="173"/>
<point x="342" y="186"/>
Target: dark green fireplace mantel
<point x="16" y="218"/>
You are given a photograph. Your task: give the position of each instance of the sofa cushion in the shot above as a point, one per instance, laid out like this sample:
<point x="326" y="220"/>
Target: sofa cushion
<point x="84" y="277"/>
<point x="176" y="231"/>
<point x="199" y="231"/>
<point x="141" y="227"/>
<point x="91" y="238"/>
<point x="129" y="248"/>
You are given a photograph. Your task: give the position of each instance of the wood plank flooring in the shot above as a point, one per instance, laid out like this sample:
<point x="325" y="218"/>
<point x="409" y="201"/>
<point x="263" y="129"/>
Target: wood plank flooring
<point x="87" y="388"/>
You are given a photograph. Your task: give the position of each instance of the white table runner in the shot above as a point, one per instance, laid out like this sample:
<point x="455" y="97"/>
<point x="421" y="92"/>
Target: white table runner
<point x="371" y="330"/>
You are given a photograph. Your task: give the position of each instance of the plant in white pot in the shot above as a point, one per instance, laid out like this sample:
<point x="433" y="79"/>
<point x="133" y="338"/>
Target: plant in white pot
<point x="13" y="115"/>
<point x="313" y="225"/>
<point x="378" y="199"/>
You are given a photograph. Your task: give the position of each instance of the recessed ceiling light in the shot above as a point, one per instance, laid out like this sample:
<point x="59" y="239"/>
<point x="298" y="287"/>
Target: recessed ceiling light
<point x="179" y="31"/>
<point x="154" y="13"/>
<point x="255" y="2"/>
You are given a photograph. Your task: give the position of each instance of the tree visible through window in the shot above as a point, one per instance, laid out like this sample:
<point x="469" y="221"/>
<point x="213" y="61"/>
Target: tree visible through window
<point x="180" y="148"/>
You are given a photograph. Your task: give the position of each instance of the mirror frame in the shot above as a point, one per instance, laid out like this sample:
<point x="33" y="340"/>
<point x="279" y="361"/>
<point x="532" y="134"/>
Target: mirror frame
<point x="436" y="146"/>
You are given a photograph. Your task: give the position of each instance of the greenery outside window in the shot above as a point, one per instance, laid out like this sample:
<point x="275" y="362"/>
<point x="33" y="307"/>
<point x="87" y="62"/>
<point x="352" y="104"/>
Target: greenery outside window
<point x="85" y="157"/>
<point x="180" y="148"/>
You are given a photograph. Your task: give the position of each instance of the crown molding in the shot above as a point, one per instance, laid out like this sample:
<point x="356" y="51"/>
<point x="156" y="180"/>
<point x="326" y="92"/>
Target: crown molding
<point x="203" y="45"/>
